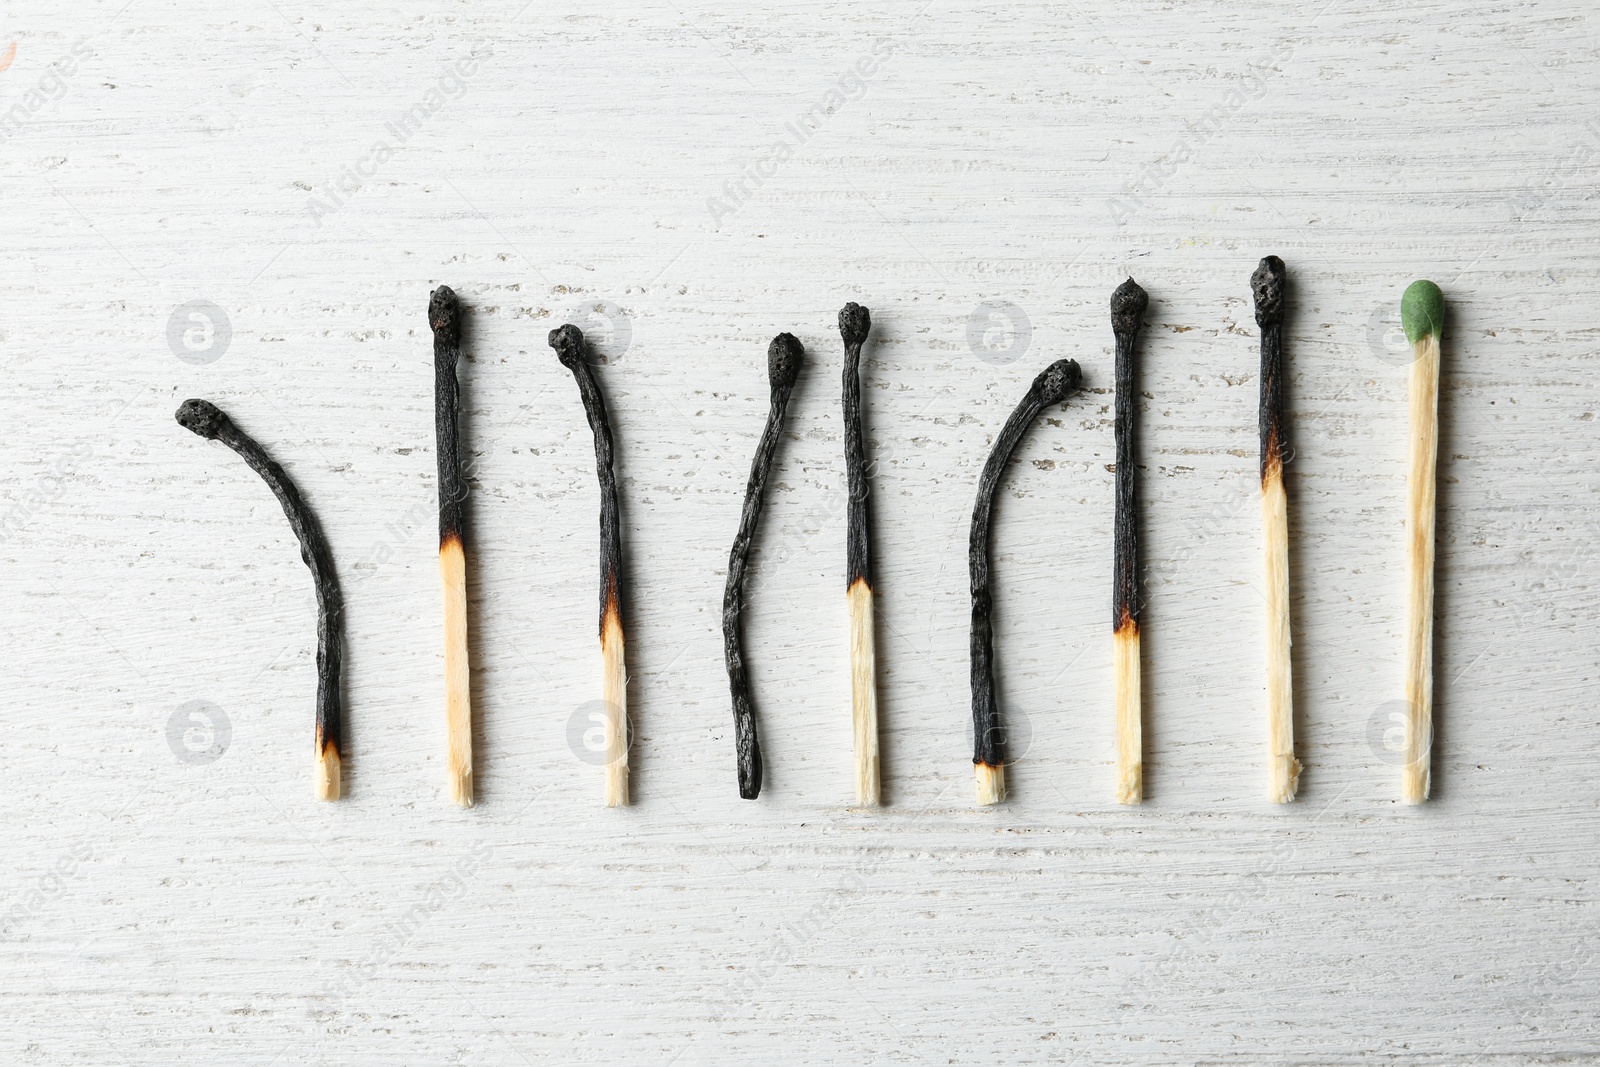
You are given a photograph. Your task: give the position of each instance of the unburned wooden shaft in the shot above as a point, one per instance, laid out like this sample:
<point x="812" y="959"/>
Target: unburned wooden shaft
<point x="1422" y="313"/>
<point x="457" y="673"/>
<point x="614" y="694"/>
<point x="864" y="693"/>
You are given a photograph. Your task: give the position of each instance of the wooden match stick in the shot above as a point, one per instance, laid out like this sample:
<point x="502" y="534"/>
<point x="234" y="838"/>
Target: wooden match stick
<point x="444" y="317"/>
<point x="1128" y="304"/>
<point x="568" y="343"/>
<point x="209" y="421"/>
<point x="1422" y="315"/>
<point x="784" y="357"/>
<point x="1052" y="386"/>
<point x="1283" y="770"/>
<point x="855" y="322"/>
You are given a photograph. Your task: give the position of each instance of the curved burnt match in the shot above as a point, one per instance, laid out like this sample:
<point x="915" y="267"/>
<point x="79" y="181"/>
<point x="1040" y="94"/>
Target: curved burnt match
<point x="1283" y="770"/>
<point x="784" y="358"/>
<point x="444" y="318"/>
<point x="855" y="322"/>
<point x="1128" y="305"/>
<point x="1053" y="385"/>
<point x="568" y="344"/>
<point x="206" y="419"/>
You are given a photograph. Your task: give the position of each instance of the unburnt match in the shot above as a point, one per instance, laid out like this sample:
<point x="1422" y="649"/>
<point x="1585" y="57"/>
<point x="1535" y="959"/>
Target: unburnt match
<point x="1128" y="305"/>
<point x="1422" y="315"/>
<point x="568" y="343"/>
<point x="1052" y="386"/>
<point x="444" y="317"/>
<point x="1283" y="769"/>
<point x="855" y="322"/>
<point x="209" y="421"/>
<point x="784" y="358"/>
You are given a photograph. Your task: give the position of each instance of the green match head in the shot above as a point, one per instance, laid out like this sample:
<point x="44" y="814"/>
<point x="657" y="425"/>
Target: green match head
<point x="1422" y="311"/>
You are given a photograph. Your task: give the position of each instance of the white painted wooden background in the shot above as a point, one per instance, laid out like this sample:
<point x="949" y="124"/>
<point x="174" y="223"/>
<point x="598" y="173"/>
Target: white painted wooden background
<point x="170" y="906"/>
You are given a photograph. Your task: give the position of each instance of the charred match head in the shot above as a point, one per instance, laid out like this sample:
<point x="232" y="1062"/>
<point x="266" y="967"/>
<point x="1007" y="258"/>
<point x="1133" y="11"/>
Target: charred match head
<point x="567" y="340"/>
<point x="204" y="418"/>
<point x="1127" y="308"/>
<point x="855" y="322"/>
<point x="784" y="357"/>
<point x="1266" y="284"/>
<point x="444" y="314"/>
<point x="1058" y="381"/>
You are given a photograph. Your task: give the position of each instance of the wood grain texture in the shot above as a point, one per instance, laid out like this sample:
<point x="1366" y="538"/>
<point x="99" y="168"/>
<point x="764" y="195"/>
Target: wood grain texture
<point x="164" y="903"/>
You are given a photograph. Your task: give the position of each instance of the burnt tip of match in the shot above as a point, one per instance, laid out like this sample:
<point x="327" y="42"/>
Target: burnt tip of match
<point x="444" y="313"/>
<point x="1422" y="310"/>
<point x="1127" y="307"/>
<point x="202" y="417"/>
<point x="1058" y="381"/>
<point x="784" y="356"/>
<point x="855" y="322"/>
<point x="567" y="340"/>
<point x="1266" y="284"/>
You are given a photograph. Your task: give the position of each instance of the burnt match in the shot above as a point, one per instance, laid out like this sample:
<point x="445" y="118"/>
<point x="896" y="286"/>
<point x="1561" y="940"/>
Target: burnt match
<point x="1422" y="315"/>
<point x="855" y="322"/>
<point x="444" y="317"/>
<point x="568" y="342"/>
<point x="784" y="357"/>
<point x="209" y="421"/>
<point x="1128" y="304"/>
<point x="1052" y="386"/>
<point x="1283" y="770"/>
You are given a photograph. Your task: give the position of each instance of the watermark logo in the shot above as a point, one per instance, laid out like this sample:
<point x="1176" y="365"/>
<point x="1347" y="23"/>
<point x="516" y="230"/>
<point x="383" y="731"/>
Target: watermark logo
<point x="1014" y="732"/>
<point x="48" y="887"/>
<point x="1138" y="192"/>
<point x="199" y="733"/>
<point x="52" y="85"/>
<point x="1387" y="338"/>
<point x="607" y="331"/>
<point x="1386" y="732"/>
<point x="390" y="939"/>
<point x="199" y="332"/>
<point x="48" y="487"/>
<point x="451" y="85"/>
<point x="405" y="529"/>
<point x="586" y="731"/>
<point x="998" y="332"/>
<point x="850" y="85"/>
<point x="5" y="60"/>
